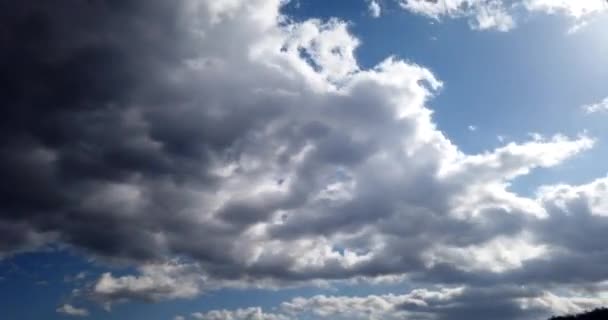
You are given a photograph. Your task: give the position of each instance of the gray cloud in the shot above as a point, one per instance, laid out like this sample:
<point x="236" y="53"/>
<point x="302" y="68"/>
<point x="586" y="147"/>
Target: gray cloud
<point x="502" y="302"/>
<point x="256" y="149"/>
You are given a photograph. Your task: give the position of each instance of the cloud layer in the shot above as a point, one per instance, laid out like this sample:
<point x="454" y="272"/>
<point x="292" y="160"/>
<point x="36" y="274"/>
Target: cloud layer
<point x="501" y="14"/>
<point x="220" y="144"/>
<point x="445" y="304"/>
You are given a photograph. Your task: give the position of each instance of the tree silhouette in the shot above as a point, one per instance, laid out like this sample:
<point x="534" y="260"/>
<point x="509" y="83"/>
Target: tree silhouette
<point x="597" y="314"/>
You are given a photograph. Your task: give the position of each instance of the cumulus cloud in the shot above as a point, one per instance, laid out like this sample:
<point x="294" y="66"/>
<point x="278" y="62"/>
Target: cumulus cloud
<point x="444" y="304"/>
<point x="216" y="144"/>
<point x="157" y="282"/>
<point x="70" y="310"/>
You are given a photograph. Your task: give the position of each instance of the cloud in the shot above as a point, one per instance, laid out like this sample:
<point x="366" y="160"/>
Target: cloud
<point x="239" y="314"/>
<point x="444" y="304"/>
<point x="501" y="15"/>
<point x="493" y="15"/>
<point x="601" y="106"/>
<point x="156" y="282"/>
<point x="19" y="237"/>
<point x="564" y="305"/>
<point x="70" y="310"/>
<point x="80" y="276"/>
<point x="374" y="8"/>
<point x="576" y="9"/>
<point x="343" y="307"/>
<point x="369" y="307"/>
<point x="220" y="144"/>
<point x="482" y="14"/>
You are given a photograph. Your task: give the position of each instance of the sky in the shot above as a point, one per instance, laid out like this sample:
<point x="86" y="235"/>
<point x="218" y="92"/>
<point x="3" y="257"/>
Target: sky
<point x="303" y="159"/>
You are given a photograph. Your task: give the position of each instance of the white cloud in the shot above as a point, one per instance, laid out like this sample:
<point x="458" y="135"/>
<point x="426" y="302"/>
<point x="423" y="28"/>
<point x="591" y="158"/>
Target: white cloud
<point x="493" y="16"/>
<point x="577" y="9"/>
<point x="482" y="14"/>
<point x="239" y="314"/>
<point x="445" y="303"/>
<point x="566" y="197"/>
<point x="70" y="310"/>
<point x="370" y="307"/>
<point x="515" y="159"/>
<point x="564" y="305"/>
<point x="374" y="8"/>
<point x="498" y="255"/>
<point x="576" y="27"/>
<point x="156" y="282"/>
<point x="500" y="14"/>
<point x="327" y="48"/>
<point x="581" y="12"/>
<point x="341" y="307"/>
<point x="601" y="106"/>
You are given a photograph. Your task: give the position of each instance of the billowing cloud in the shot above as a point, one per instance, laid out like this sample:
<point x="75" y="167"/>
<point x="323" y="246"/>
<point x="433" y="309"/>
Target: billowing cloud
<point x="216" y="144"/>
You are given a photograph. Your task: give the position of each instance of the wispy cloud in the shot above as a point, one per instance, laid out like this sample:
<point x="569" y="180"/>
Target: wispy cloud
<point x="70" y="310"/>
<point x="601" y="106"/>
<point x="374" y="8"/>
<point x="502" y="15"/>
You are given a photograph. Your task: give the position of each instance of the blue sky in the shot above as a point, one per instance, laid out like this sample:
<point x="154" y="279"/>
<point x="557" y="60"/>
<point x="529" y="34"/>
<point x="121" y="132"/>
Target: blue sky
<point x="186" y="161"/>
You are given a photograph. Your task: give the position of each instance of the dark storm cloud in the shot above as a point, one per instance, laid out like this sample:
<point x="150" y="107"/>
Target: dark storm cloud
<point x="73" y="72"/>
<point x="90" y="106"/>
